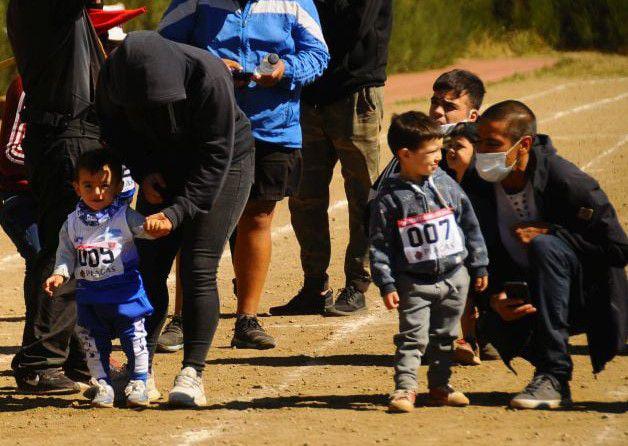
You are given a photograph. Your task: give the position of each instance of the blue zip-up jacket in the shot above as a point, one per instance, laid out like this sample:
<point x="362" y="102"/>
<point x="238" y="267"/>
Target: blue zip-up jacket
<point x="290" y="28"/>
<point x="398" y="200"/>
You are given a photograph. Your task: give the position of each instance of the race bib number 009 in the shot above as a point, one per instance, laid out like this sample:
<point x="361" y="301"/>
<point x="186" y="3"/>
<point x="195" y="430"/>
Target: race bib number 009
<point x="430" y="236"/>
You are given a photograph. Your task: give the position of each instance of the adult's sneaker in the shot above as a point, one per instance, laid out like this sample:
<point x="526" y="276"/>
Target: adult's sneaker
<point x="249" y="333"/>
<point x="136" y="394"/>
<point x="48" y="381"/>
<point x="307" y="301"/>
<point x="543" y="392"/>
<point x="171" y="339"/>
<point x="104" y="395"/>
<point x="188" y="390"/>
<point x="348" y="302"/>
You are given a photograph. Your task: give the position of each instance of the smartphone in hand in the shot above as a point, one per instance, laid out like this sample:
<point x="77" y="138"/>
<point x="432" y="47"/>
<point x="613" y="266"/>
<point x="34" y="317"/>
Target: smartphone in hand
<point x="517" y="290"/>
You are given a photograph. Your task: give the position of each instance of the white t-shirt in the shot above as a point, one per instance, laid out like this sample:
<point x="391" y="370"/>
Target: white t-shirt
<point x="513" y="209"/>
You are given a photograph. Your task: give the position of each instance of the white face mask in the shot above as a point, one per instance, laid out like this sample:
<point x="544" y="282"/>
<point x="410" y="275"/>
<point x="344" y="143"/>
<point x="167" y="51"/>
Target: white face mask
<point x="492" y="167"/>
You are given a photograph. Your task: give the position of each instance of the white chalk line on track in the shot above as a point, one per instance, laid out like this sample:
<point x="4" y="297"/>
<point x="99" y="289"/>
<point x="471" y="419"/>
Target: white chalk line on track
<point x="354" y="324"/>
<point x="562" y="87"/>
<point x="584" y="107"/>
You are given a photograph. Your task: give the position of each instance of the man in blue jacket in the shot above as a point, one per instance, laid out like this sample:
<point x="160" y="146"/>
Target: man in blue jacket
<point x="242" y="33"/>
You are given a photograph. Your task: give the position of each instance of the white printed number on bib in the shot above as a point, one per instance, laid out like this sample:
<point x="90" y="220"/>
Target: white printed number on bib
<point x="100" y="260"/>
<point x="430" y="236"/>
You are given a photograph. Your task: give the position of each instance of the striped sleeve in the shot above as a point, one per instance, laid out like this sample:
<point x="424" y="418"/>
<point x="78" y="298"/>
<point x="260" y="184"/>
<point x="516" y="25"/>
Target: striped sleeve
<point x="311" y="53"/>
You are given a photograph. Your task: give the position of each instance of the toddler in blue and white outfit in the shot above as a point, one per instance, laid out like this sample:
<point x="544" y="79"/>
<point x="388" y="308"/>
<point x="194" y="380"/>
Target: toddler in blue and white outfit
<point x="96" y="246"/>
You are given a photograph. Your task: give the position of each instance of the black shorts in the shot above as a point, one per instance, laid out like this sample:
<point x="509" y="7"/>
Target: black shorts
<point x="277" y="172"/>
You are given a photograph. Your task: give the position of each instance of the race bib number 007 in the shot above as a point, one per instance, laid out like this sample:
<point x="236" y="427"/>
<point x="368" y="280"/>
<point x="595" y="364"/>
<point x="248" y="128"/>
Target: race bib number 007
<point x="430" y="236"/>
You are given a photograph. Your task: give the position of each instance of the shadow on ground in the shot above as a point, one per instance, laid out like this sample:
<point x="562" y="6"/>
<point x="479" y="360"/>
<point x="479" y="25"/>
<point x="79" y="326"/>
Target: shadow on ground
<point x="12" y="319"/>
<point x="305" y="360"/>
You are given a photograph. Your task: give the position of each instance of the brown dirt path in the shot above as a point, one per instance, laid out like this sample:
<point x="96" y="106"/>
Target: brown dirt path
<point x="405" y="86"/>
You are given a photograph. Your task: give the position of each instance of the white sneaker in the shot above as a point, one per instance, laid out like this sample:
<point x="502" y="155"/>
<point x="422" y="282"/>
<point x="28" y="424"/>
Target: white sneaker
<point x="136" y="395"/>
<point x="151" y="388"/>
<point x="104" y="396"/>
<point x="188" y="390"/>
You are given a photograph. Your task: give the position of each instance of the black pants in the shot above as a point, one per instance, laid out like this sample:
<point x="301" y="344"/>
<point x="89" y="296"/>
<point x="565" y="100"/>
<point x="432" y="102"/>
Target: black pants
<point x="51" y="155"/>
<point x="542" y="338"/>
<point x="202" y="241"/>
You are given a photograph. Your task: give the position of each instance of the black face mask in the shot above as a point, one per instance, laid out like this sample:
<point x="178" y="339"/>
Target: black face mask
<point x="162" y="124"/>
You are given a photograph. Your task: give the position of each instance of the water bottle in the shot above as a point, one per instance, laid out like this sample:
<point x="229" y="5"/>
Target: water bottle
<point x="268" y="64"/>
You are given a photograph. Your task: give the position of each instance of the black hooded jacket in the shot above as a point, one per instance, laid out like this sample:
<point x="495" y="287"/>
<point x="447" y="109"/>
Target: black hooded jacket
<point x="580" y="213"/>
<point x="58" y="56"/>
<point x="357" y="33"/>
<point x="169" y="108"/>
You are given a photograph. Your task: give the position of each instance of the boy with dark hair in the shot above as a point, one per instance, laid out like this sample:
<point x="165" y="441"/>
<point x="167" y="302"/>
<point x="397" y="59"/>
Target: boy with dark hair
<point x="422" y="232"/>
<point x="96" y="247"/>
<point x="457" y="97"/>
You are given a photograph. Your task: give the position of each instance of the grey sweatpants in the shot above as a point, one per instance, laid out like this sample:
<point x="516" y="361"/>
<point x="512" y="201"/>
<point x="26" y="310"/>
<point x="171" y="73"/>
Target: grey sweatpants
<point x="429" y="317"/>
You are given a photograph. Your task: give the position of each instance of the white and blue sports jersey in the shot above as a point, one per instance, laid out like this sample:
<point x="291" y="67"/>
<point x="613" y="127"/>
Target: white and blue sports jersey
<point x="98" y="249"/>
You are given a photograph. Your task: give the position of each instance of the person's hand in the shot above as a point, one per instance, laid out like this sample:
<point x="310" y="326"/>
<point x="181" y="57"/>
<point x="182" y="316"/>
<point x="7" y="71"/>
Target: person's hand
<point x="157" y="225"/>
<point x="149" y="188"/>
<point x="52" y="283"/>
<point x="235" y="67"/>
<point x="510" y="309"/>
<point x="391" y="300"/>
<point x="270" y="80"/>
<point x="480" y="284"/>
<point x="232" y="65"/>
<point x="526" y="232"/>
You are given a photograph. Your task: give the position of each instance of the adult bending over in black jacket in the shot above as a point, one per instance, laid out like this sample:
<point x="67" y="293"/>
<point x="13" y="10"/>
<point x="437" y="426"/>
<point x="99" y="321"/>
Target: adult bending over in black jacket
<point x="168" y="109"/>
<point x="549" y="224"/>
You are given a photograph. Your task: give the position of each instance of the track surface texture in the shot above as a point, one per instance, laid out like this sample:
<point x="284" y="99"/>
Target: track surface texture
<point x="328" y="379"/>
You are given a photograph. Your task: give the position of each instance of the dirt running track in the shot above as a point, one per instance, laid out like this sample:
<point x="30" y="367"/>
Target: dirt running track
<point x="327" y="381"/>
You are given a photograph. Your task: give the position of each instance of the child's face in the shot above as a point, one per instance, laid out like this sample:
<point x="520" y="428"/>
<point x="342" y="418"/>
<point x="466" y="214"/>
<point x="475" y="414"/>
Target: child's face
<point x="459" y="152"/>
<point x="422" y="161"/>
<point x="448" y="108"/>
<point x="97" y="189"/>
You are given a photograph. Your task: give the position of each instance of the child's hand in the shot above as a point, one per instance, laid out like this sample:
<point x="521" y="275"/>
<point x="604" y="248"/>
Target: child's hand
<point x="391" y="300"/>
<point x="157" y="225"/>
<point x="52" y="283"/>
<point x="481" y="283"/>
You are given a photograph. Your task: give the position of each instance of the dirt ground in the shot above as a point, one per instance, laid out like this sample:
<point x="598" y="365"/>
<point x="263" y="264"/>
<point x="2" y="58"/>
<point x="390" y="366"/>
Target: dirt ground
<point x="328" y="378"/>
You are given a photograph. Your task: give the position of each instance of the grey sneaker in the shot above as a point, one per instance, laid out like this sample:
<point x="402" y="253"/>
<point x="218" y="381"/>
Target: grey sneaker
<point x="249" y="333"/>
<point x="543" y="392"/>
<point x="348" y="302"/>
<point x="136" y="394"/>
<point x="171" y="339"/>
<point x="104" y="395"/>
<point x="151" y="388"/>
<point x="188" y="390"/>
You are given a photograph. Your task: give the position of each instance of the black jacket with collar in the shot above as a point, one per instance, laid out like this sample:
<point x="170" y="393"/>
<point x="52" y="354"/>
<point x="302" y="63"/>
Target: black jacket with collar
<point x="580" y="213"/>
<point x="357" y="34"/>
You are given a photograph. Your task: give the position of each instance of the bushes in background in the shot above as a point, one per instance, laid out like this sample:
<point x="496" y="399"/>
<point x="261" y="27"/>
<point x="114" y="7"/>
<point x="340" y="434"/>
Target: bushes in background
<point x="433" y="33"/>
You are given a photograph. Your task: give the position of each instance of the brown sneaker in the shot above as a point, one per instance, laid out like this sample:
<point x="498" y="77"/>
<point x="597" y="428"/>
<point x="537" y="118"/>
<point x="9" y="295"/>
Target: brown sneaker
<point x="402" y="401"/>
<point x="464" y="353"/>
<point x="446" y="396"/>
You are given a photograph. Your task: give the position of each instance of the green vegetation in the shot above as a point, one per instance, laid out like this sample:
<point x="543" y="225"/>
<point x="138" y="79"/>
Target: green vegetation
<point x="433" y="33"/>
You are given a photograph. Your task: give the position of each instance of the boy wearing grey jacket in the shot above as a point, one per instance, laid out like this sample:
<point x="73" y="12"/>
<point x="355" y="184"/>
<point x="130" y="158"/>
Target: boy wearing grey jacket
<point x="425" y="242"/>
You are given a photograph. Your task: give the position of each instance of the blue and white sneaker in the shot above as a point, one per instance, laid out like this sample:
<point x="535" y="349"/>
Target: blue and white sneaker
<point x="104" y="394"/>
<point x="136" y="394"/>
